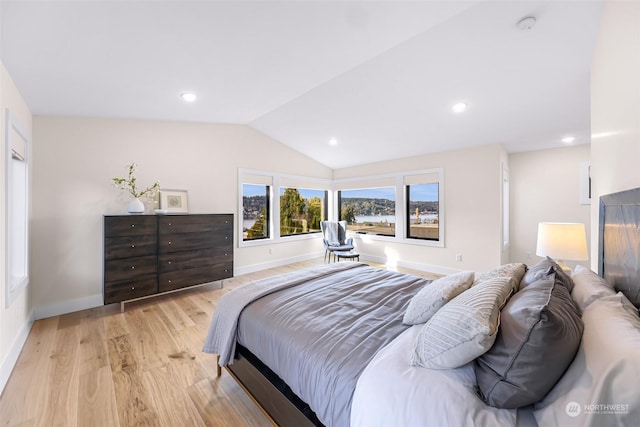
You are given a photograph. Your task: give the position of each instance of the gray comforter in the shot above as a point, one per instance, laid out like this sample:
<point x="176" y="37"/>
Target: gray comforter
<point x="221" y="337"/>
<point x="319" y="335"/>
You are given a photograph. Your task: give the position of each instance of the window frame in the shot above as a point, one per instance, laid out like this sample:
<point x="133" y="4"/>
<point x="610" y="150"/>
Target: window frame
<point x="325" y="204"/>
<point x="400" y="180"/>
<point x="17" y="201"/>
<point x="395" y="215"/>
<point x="275" y="181"/>
<point x="408" y="213"/>
<point x="268" y="191"/>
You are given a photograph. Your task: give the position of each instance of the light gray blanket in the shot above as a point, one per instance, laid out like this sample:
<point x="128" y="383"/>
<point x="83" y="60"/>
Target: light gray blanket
<point x="221" y="337"/>
<point x="319" y="336"/>
<point x="333" y="234"/>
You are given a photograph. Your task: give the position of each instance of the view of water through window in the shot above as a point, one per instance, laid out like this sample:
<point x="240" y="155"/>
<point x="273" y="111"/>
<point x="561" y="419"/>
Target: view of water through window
<point x="369" y="210"/>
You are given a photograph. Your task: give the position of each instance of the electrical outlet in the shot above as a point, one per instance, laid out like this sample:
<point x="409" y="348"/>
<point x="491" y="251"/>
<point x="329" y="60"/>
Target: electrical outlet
<point x="270" y="251"/>
<point x="528" y="255"/>
<point x="459" y="257"/>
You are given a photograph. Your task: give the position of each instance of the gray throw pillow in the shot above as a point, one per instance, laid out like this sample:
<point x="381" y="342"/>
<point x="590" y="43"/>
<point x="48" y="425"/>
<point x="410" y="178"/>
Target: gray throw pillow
<point x="539" y="335"/>
<point x="544" y="268"/>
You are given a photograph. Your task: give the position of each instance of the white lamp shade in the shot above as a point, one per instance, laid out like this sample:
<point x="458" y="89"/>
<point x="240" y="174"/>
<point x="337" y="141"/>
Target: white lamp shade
<point x="562" y="241"/>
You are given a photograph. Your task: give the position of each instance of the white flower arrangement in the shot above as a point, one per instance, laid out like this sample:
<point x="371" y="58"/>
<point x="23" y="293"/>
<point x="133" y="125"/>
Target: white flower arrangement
<point x="129" y="184"/>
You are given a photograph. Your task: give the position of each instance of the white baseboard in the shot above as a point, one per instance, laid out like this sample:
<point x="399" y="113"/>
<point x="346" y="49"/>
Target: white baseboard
<point x="277" y="263"/>
<point x="14" y="352"/>
<point x="68" y="306"/>
<point x="437" y="269"/>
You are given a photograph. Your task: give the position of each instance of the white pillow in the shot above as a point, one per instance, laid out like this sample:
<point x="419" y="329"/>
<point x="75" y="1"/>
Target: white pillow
<point x="514" y="270"/>
<point x="464" y="328"/>
<point x="436" y="294"/>
<point x="588" y="287"/>
<point x="604" y="372"/>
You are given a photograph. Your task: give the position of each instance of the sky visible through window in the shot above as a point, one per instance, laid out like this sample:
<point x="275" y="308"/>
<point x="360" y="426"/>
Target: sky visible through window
<point x="422" y="193"/>
<point x="249" y="190"/>
<point x="306" y="194"/>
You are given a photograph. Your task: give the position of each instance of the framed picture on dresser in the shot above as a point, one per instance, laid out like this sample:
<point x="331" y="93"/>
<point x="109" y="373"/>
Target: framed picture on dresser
<point x="174" y="201"/>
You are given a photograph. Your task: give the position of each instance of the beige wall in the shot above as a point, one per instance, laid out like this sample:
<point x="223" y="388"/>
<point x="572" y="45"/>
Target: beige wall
<point x="545" y="187"/>
<point x="74" y="161"/>
<point x="472" y="210"/>
<point x="16" y="320"/>
<point x="615" y="106"/>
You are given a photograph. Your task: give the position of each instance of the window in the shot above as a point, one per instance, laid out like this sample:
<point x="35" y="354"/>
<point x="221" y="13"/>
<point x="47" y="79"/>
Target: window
<point x="255" y="211"/>
<point x="423" y="211"/>
<point x="301" y="210"/>
<point x="369" y="210"/>
<point x="279" y="207"/>
<point x="403" y="207"/>
<point x="17" y="209"/>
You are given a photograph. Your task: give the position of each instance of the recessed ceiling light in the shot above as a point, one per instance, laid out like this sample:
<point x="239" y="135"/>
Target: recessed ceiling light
<point x="568" y="139"/>
<point x="333" y="141"/>
<point x="188" y="96"/>
<point x="459" y="107"/>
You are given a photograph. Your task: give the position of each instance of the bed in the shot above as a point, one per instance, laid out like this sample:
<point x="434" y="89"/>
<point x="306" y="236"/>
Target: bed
<point x="348" y="344"/>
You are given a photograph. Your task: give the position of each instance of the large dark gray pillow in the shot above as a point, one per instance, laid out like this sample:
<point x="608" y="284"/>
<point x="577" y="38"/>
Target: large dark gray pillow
<point x="542" y="269"/>
<point x="539" y="335"/>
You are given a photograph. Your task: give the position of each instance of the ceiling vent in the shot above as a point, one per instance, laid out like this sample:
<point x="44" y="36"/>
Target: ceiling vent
<point x="526" y="23"/>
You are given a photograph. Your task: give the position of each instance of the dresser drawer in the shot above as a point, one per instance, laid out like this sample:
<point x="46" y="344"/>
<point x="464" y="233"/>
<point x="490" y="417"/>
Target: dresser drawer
<point x="130" y="289"/>
<point x="192" y="259"/>
<point x="130" y="246"/>
<point x="189" y="241"/>
<point x="129" y="268"/>
<point x="194" y="276"/>
<point x="194" y="223"/>
<point x="134" y="225"/>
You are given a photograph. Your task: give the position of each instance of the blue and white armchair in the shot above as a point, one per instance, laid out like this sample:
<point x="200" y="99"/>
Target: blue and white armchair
<point x="334" y="238"/>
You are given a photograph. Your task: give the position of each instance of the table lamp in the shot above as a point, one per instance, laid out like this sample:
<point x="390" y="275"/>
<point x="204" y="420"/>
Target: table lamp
<point x="562" y="242"/>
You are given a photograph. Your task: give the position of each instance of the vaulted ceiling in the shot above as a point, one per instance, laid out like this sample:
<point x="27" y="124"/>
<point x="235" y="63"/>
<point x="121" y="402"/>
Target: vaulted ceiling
<point x="377" y="77"/>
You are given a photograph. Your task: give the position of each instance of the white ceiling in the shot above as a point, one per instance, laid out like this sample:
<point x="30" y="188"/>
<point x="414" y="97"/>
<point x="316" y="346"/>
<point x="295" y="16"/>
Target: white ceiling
<point x="379" y="76"/>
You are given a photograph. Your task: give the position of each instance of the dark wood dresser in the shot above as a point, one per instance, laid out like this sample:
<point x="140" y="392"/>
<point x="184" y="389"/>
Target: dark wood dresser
<point x="150" y="254"/>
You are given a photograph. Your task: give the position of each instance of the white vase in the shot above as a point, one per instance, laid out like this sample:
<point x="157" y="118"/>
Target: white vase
<point x="135" y="207"/>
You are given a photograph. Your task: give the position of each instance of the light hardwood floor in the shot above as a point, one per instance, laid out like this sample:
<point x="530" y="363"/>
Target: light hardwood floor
<point x="143" y="367"/>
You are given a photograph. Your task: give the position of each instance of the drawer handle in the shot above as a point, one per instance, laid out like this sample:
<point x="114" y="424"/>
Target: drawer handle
<point x="169" y="281"/>
<point x="133" y="245"/>
<point x="133" y="225"/>
<point x="226" y="254"/>
<point x="133" y="288"/>
<point x="169" y="262"/>
<point x="226" y="237"/>
<point x="169" y="241"/>
<point x="133" y="267"/>
<point x="169" y="224"/>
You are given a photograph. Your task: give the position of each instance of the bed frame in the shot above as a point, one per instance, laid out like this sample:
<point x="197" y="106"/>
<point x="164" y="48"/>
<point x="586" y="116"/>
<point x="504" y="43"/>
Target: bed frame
<point x="271" y="393"/>
<point x="618" y="263"/>
<point x="619" y="242"/>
